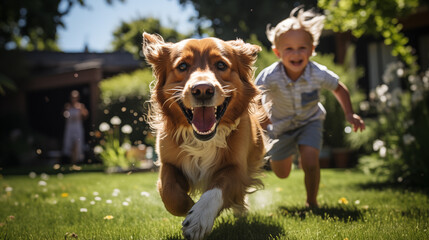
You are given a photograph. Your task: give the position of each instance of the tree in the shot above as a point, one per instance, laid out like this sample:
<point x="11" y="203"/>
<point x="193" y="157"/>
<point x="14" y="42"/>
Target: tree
<point x="32" y="24"/>
<point x="241" y="18"/>
<point x="128" y="36"/>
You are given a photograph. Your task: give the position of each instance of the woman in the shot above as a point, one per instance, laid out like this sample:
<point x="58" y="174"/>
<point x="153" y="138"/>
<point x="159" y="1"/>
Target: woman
<point x="74" y="112"/>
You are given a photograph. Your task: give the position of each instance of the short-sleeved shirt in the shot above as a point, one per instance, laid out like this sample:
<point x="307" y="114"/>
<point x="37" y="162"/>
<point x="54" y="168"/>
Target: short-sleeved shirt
<point x="291" y="104"/>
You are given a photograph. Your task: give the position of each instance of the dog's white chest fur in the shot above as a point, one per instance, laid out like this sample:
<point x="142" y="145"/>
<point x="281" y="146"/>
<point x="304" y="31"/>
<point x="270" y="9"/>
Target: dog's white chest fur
<point x="202" y="156"/>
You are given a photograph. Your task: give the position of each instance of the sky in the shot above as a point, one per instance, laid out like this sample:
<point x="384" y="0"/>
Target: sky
<point x="94" y="25"/>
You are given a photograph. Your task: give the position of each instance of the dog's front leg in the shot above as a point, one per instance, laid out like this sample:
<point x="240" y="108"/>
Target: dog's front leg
<point x="173" y="188"/>
<point x="225" y="190"/>
<point x="200" y="219"/>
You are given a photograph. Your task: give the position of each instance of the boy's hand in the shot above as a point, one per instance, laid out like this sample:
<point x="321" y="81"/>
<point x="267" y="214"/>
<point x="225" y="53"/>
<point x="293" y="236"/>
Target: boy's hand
<point x="356" y="121"/>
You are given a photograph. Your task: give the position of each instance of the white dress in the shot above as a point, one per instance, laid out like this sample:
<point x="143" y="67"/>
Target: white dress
<point x="73" y="133"/>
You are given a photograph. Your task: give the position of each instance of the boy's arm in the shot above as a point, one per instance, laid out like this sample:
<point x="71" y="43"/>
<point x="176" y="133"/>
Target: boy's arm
<point x="343" y="97"/>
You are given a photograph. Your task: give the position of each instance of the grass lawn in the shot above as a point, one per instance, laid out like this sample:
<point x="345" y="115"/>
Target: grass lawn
<point x="120" y="206"/>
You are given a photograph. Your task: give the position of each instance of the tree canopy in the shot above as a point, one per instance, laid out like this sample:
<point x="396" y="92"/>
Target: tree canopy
<point x="242" y="18"/>
<point x="128" y="36"/>
<point x="32" y="24"/>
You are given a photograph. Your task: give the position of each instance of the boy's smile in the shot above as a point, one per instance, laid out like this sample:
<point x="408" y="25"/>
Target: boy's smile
<point x="294" y="48"/>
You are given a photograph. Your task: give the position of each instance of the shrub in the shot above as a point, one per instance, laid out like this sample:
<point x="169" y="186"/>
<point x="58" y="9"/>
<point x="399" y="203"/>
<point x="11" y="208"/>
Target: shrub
<point x="125" y="96"/>
<point x="395" y="146"/>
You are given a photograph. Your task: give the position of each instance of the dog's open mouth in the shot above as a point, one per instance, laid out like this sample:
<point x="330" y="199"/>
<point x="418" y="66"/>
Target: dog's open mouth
<point x="204" y="120"/>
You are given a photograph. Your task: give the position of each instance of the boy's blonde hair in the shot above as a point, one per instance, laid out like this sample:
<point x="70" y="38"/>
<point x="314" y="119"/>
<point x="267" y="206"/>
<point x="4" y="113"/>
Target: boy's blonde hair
<point x="309" y="21"/>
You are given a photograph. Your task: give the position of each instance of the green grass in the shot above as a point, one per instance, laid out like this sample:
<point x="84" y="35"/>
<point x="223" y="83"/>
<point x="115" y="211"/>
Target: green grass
<point x="29" y="210"/>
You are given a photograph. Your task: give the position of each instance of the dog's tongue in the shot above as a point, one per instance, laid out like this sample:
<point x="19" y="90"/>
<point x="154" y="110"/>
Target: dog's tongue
<point x="204" y="118"/>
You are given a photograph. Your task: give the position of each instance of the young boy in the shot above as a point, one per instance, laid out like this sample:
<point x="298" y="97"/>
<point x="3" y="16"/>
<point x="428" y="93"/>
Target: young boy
<point x="291" y="89"/>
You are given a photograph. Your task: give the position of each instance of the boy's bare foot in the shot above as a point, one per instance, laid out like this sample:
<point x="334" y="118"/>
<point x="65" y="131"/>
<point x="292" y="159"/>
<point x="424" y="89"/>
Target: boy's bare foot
<point x="311" y="205"/>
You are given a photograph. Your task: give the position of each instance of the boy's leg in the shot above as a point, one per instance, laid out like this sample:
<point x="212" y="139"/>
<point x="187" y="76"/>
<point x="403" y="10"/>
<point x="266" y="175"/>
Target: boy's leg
<point x="282" y="167"/>
<point x="311" y="167"/>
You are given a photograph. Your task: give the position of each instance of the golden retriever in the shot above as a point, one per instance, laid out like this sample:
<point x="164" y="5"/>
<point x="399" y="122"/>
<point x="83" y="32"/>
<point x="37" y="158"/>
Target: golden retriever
<point x="205" y="112"/>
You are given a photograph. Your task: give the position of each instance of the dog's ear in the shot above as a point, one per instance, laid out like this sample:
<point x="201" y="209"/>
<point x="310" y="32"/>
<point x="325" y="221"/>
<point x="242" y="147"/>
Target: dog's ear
<point x="156" y="52"/>
<point x="152" y="47"/>
<point x="247" y="52"/>
<point x="246" y="56"/>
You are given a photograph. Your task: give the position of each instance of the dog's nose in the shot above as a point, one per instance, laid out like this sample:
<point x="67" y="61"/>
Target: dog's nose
<point x="203" y="90"/>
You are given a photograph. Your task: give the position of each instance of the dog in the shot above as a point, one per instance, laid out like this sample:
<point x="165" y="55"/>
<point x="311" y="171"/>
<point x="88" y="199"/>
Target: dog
<point x="206" y="114"/>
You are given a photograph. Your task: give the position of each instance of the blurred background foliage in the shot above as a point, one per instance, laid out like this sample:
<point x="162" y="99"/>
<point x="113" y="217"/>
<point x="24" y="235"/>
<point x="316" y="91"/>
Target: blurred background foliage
<point x="128" y="36"/>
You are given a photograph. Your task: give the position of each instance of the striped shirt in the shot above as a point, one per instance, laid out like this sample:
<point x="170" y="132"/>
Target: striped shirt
<point x="291" y="104"/>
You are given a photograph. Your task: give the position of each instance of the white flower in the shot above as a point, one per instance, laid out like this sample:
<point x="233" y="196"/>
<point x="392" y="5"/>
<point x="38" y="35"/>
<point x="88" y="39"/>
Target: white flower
<point x="126" y="146"/>
<point x="115" y="120"/>
<point x="95" y="193"/>
<point x="364" y="106"/>
<point x="381" y="90"/>
<point x="92" y="203"/>
<point x="8" y="189"/>
<point x="408" y="139"/>
<point x="104" y="127"/>
<point x="108" y="201"/>
<point x="44" y="176"/>
<point x="383" y="151"/>
<point x="32" y="175"/>
<point x="97" y="198"/>
<point x="98" y="149"/>
<point x="357" y="202"/>
<point x="377" y="144"/>
<point x="82" y="198"/>
<point x="348" y="129"/>
<point x="116" y="192"/>
<point x="145" y="194"/>
<point x="42" y="183"/>
<point x="400" y="72"/>
<point x="412" y="79"/>
<point x="125" y="203"/>
<point x="83" y="210"/>
<point x="127" y="129"/>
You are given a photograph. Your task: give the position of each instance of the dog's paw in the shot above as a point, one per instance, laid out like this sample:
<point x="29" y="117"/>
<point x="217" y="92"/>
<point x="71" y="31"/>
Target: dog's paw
<point x="199" y="221"/>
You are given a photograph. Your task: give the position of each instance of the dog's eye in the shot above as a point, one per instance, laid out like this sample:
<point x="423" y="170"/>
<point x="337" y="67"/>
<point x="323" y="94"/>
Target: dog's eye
<point x="182" y="67"/>
<point x="221" y="65"/>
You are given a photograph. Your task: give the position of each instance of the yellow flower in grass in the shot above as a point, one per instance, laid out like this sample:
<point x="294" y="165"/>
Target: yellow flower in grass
<point x="64" y="195"/>
<point x="108" y="217"/>
<point x="343" y="200"/>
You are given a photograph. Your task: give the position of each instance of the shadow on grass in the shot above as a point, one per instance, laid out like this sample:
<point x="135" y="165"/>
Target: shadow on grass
<point x="340" y="213"/>
<point x="249" y="228"/>
<point x="383" y="186"/>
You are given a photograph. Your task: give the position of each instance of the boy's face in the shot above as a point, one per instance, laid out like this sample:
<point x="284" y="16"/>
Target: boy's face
<point x="294" y="48"/>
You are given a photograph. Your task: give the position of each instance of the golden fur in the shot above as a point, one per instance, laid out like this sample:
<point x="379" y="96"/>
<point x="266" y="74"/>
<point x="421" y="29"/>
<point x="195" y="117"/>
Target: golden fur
<point x="229" y="158"/>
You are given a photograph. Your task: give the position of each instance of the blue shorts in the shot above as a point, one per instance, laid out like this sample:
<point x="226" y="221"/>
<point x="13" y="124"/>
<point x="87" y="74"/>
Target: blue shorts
<point x="286" y="145"/>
